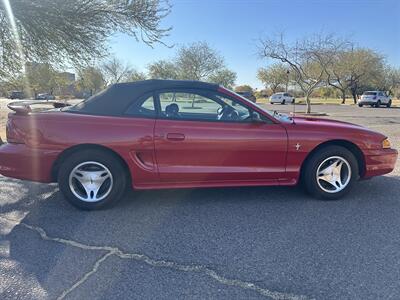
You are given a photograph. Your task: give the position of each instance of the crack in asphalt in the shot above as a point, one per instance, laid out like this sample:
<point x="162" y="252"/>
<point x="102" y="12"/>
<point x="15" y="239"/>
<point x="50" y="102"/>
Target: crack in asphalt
<point x="152" y="262"/>
<point x="86" y="276"/>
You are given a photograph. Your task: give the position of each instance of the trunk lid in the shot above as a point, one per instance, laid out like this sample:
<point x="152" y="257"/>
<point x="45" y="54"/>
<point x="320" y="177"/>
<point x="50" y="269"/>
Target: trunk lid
<point x="22" y="123"/>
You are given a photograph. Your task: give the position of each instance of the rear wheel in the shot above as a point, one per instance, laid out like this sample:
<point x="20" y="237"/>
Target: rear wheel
<point x="92" y="179"/>
<point x="283" y="102"/>
<point x="360" y="105"/>
<point x="389" y="104"/>
<point x="378" y="103"/>
<point x="330" y="173"/>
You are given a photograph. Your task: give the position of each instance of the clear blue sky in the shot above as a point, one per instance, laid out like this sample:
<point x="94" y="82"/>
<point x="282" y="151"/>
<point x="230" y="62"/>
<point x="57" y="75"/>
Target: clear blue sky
<point x="233" y="28"/>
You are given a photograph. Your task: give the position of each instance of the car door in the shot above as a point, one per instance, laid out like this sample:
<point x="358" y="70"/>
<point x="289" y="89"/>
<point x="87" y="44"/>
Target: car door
<point x="385" y="98"/>
<point x="140" y="119"/>
<point x="286" y="97"/>
<point x="193" y="143"/>
<point x="382" y="97"/>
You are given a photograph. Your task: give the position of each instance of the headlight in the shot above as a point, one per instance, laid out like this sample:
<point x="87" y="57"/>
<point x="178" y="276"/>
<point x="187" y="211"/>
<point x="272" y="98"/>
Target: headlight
<point x="386" y="144"/>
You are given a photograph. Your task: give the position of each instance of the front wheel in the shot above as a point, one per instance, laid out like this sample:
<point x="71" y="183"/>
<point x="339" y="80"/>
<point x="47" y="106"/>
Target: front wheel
<point x="283" y="102"/>
<point x="378" y="104"/>
<point x="389" y="104"/>
<point x="92" y="179"/>
<point x="330" y="173"/>
<point x="360" y="105"/>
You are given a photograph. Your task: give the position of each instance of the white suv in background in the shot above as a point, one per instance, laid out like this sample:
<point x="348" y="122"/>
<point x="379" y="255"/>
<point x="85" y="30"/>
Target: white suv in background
<point x="281" y="98"/>
<point x="375" y="99"/>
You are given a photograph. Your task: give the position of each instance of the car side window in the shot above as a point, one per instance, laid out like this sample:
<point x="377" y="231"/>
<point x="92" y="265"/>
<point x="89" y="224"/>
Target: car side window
<point x="143" y="108"/>
<point x="207" y="106"/>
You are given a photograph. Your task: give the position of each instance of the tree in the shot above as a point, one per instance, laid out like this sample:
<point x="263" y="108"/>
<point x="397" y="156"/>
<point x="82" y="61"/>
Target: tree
<point x="74" y="31"/>
<point x="223" y="77"/>
<point x="90" y="79"/>
<point x="41" y="78"/>
<point x="243" y="88"/>
<point x="307" y="59"/>
<point x="338" y="74"/>
<point x="391" y="80"/>
<point x="274" y="77"/>
<point x="116" y="71"/>
<point x="327" y="92"/>
<point x="163" y="69"/>
<point x="198" y="61"/>
<point x="61" y="82"/>
<point x="136" y="76"/>
<point x="354" y="70"/>
<point x="13" y="83"/>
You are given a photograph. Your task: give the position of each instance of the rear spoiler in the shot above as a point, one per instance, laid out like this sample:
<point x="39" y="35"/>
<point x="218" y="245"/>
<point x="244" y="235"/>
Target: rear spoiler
<point x="24" y="107"/>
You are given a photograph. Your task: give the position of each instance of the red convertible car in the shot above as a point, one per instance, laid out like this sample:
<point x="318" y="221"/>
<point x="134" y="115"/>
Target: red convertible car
<point x="183" y="134"/>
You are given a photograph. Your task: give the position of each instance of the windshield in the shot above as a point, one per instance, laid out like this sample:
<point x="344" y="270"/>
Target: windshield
<point x="369" y="94"/>
<point x="248" y="101"/>
<point x="274" y="114"/>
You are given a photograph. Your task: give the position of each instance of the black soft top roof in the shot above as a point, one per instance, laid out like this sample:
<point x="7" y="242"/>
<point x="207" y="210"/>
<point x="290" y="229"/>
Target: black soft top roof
<point x="116" y="99"/>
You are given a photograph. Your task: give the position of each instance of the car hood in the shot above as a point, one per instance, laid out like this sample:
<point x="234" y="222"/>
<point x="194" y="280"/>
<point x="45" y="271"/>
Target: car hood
<point x="324" y="122"/>
<point x="331" y="125"/>
<point x="318" y="130"/>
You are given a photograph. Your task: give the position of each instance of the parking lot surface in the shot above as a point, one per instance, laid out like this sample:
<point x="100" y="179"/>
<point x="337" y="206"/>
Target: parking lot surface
<point x="226" y="243"/>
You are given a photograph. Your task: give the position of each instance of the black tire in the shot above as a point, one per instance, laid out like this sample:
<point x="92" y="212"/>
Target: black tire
<point x="389" y="104"/>
<point x="378" y="104"/>
<point x="360" y="105"/>
<point x="283" y="102"/>
<point x="293" y="101"/>
<point x="110" y="161"/>
<point x="309" y="174"/>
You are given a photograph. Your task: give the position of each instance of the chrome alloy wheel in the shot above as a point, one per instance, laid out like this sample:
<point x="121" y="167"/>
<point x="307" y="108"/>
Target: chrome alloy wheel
<point x="333" y="174"/>
<point x="91" y="181"/>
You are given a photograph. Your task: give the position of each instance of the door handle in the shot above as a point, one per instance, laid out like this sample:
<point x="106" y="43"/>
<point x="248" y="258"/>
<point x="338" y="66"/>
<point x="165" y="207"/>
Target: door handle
<point x="175" y="136"/>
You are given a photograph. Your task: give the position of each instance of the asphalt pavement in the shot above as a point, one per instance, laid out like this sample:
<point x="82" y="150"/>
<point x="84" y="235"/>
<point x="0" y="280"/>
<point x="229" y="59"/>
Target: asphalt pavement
<point x="222" y="243"/>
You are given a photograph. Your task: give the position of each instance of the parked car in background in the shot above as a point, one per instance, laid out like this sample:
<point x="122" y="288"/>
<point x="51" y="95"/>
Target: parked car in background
<point x="375" y="99"/>
<point x="281" y="98"/>
<point x="45" y="96"/>
<point x="247" y="94"/>
<point x="17" y="95"/>
<point x="146" y="135"/>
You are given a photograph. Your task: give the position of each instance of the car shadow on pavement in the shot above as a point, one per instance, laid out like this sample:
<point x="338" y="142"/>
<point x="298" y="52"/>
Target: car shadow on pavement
<point x="206" y="226"/>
